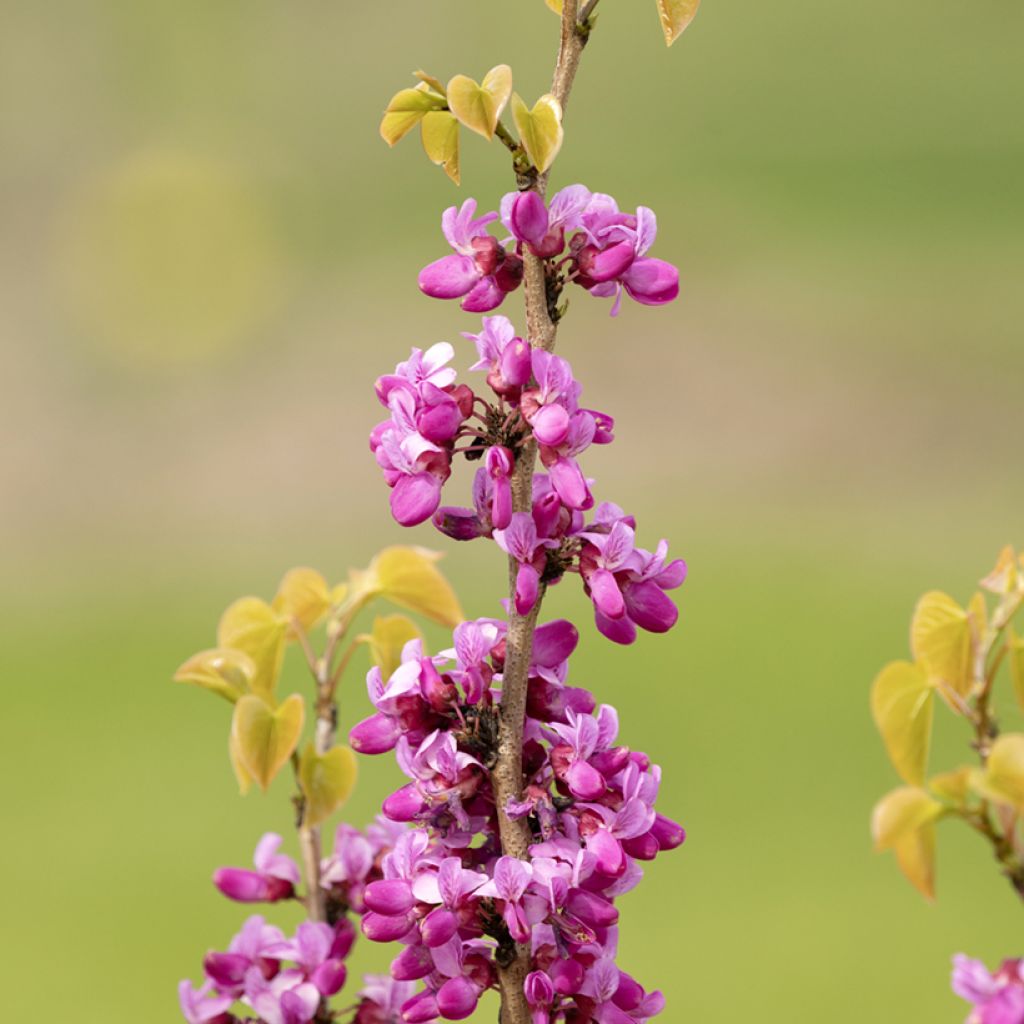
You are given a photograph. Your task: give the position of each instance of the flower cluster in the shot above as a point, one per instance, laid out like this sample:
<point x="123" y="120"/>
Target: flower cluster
<point x="447" y="894"/>
<point x="581" y="235"/>
<point x="536" y="397"/>
<point x="284" y="980"/>
<point x="997" y="998"/>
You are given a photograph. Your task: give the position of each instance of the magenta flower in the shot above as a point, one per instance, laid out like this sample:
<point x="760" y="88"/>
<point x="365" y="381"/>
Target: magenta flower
<point x="543" y="228"/>
<point x="257" y="945"/>
<point x="610" y="255"/>
<point x="381" y="1000"/>
<point x="480" y="271"/>
<point x="511" y="879"/>
<point x="203" y="1006"/>
<point x="998" y="998"/>
<point x="521" y="542"/>
<point x="274" y="879"/>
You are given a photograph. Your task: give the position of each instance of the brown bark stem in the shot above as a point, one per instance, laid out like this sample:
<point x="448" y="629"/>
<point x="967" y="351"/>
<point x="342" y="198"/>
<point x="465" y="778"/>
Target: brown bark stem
<point x="508" y="770"/>
<point x="325" y="730"/>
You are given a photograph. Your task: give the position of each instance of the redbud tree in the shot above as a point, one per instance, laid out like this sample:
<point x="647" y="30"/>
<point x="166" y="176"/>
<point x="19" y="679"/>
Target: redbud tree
<point x="966" y="658"/>
<point x="498" y="866"/>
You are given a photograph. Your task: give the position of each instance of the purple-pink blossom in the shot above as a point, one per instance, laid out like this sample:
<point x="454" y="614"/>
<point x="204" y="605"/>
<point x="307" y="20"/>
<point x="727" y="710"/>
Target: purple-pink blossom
<point x="996" y="997"/>
<point x="479" y="271"/>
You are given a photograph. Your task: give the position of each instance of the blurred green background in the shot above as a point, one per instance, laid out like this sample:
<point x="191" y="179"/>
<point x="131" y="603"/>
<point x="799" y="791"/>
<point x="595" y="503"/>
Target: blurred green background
<point x="207" y="255"/>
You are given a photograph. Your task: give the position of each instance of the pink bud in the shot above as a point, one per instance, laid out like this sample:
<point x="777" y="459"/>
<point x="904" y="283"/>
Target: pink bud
<point x="404" y="804"/>
<point x="375" y="735"/>
<point x="667" y="832"/>
<point x="381" y="928"/>
<point x="449" y="277"/>
<point x="413" y="963"/>
<point x="420" y="1009"/>
<point x="438" y="927"/>
<point x="329" y="977"/>
<point x="550" y="425"/>
<point x="457" y="998"/>
<point x="516" y="364"/>
<point x="389" y="896"/>
<point x="591" y="909"/>
<point x="566" y="976"/>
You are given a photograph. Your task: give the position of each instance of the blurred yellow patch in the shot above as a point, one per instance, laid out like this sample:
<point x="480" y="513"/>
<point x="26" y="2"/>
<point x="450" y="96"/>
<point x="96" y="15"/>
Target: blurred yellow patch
<point x="169" y="259"/>
<point x="327" y="781"/>
<point x="902" y="705"/>
<point x="262" y="738"/>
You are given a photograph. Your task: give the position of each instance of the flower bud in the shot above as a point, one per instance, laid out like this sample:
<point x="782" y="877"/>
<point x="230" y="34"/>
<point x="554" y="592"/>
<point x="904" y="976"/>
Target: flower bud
<point x="382" y="928"/>
<point x="375" y="735"/>
<point x="457" y="998"/>
<point x="420" y="1009"/>
<point x="438" y="927"/>
<point x="413" y="963"/>
<point x="389" y="896"/>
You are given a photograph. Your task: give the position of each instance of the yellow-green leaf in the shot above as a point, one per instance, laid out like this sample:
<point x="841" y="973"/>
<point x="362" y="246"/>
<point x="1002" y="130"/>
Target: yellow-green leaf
<point x="478" y="107"/>
<point x="441" y="141"/>
<point x="555" y="5"/>
<point x="302" y="597"/>
<point x="940" y="639"/>
<point x="1005" y="577"/>
<point x="327" y="781"/>
<point x="250" y="625"/>
<point x="915" y="854"/>
<point x="389" y="635"/>
<point x="1004" y="771"/>
<point x="409" y="577"/>
<point x="263" y="737"/>
<point x="952" y="786"/>
<point x="675" y="16"/>
<point x="540" y="129"/>
<point x="900" y="812"/>
<point x="223" y="671"/>
<point x="430" y="81"/>
<point x="902" y="704"/>
<point x="407" y="108"/>
<point x="243" y="776"/>
<point x="1015" y="656"/>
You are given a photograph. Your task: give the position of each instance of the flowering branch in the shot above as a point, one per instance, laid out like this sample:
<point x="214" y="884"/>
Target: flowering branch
<point x="542" y="330"/>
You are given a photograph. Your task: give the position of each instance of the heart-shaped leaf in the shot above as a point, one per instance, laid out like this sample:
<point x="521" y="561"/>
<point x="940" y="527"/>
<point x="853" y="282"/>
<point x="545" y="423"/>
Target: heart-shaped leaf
<point x="226" y="672"/>
<point x="540" y="129"/>
<point x="901" y="812"/>
<point x="1003" y="780"/>
<point x="902" y="704"/>
<point x="263" y="737"/>
<point x="915" y="854"/>
<point x="409" y="577"/>
<point x="327" y="781"/>
<point x="241" y="773"/>
<point x="478" y="107"/>
<point x="303" y="598"/>
<point x="407" y="108"/>
<point x="675" y="16"/>
<point x="250" y="625"/>
<point x="940" y="638"/>
<point x="441" y="141"/>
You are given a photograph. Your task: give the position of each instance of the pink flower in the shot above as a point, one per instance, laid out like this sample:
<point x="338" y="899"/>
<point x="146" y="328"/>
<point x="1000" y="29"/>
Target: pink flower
<point x="274" y="879"/>
<point x="479" y="271"/>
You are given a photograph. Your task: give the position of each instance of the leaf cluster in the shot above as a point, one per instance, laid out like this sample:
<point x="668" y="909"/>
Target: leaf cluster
<point x="253" y="636"/>
<point x="958" y="653"/>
